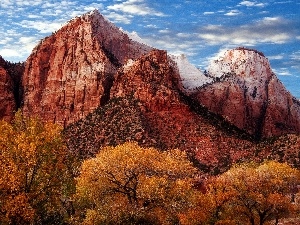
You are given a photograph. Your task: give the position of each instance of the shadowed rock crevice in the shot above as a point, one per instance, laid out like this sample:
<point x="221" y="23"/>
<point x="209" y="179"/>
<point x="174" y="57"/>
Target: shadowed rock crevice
<point x="10" y="88"/>
<point x="107" y="84"/>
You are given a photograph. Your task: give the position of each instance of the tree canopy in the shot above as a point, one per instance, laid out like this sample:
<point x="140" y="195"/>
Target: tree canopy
<point x="253" y="193"/>
<point x="34" y="174"/>
<point x="128" y="184"/>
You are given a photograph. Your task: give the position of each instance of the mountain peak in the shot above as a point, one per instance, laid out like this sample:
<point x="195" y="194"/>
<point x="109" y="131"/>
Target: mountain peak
<point x="249" y="49"/>
<point x="249" y="95"/>
<point x="242" y="62"/>
<point x="70" y="73"/>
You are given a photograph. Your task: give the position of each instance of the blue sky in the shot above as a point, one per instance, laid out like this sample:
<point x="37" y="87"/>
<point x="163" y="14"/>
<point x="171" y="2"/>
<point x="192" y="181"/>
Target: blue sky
<point x="200" y="29"/>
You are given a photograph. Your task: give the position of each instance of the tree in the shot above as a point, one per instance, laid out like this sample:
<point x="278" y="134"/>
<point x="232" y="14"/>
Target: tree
<point x="255" y="193"/>
<point x="34" y="174"/>
<point x="128" y="184"/>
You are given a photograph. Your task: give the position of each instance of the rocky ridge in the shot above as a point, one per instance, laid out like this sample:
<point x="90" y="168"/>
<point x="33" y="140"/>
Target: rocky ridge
<point x="105" y="87"/>
<point x="70" y="73"/>
<point x="249" y="95"/>
<point x="145" y="106"/>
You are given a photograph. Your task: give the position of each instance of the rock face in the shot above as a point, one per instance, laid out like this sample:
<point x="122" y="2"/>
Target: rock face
<point x="106" y="88"/>
<point x="71" y="72"/>
<point x="8" y="103"/>
<point x="145" y="106"/>
<point x="150" y="79"/>
<point x="248" y="94"/>
<point x="90" y="60"/>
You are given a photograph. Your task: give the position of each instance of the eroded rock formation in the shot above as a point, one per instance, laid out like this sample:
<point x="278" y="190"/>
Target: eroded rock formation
<point x="249" y="95"/>
<point x="70" y="73"/>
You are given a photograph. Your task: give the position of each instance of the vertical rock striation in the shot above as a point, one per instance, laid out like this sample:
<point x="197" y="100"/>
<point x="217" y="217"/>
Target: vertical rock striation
<point x="70" y="72"/>
<point x="248" y="94"/>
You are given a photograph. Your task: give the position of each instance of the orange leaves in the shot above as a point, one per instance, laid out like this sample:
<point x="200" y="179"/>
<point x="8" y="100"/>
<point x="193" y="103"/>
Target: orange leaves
<point x="257" y="193"/>
<point x="33" y="160"/>
<point x="135" y="182"/>
<point x="18" y="210"/>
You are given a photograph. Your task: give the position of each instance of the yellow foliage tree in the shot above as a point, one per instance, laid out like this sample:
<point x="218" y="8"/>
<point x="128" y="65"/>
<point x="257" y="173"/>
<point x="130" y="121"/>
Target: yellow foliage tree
<point x="128" y="184"/>
<point x="253" y="194"/>
<point x="33" y="171"/>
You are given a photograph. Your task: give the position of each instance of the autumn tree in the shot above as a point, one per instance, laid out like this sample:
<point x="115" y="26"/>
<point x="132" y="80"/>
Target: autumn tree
<point x="253" y="193"/>
<point x="128" y="184"/>
<point x="34" y="176"/>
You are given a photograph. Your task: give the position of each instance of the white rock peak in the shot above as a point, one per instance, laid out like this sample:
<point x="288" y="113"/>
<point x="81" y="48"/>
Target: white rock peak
<point x="244" y="62"/>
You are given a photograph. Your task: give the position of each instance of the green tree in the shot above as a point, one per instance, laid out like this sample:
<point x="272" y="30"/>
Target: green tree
<point x="34" y="175"/>
<point x="128" y="184"/>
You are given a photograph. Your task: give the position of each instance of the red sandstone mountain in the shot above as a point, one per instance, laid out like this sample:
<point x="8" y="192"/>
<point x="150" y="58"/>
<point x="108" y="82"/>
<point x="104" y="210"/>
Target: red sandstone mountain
<point x="146" y="106"/>
<point x="249" y="95"/>
<point x="70" y="73"/>
<point x="106" y="88"/>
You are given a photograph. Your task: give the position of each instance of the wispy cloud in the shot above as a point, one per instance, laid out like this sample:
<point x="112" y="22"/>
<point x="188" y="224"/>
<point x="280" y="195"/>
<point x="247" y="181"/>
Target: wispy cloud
<point x="268" y="30"/>
<point x="8" y="52"/>
<point x="282" y="71"/>
<point x="119" y="18"/>
<point x="208" y="13"/>
<point x="276" y="57"/>
<point x="43" y="27"/>
<point x="252" y="4"/>
<point x="233" y="12"/>
<point x="135" y="7"/>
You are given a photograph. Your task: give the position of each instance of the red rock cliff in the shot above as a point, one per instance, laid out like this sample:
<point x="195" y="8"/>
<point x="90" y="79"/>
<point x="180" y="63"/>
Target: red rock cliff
<point x="70" y="73"/>
<point x="248" y="94"/>
<point x="8" y="104"/>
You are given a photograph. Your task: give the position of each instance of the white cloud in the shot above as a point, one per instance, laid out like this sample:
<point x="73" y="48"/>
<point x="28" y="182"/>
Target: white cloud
<point x="135" y="7"/>
<point x="42" y="26"/>
<point x="295" y="56"/>
<point x="184" y="35"/>
<point x="118" y="18"/>
<point x="233" y="12"/>
<point x="219" y="54"/>
<point x="276" y="57"/>
<point x="268" y="30"/>
<point x="251" y="4"/>
<point x="282" y="71"/>
<point x="165" y="31"/>
<point x="9" y="52"/>
<point x="26" y="40"/>
<point x="6" y="3"/>
<point x="208" y="13"/>
<point x="32" y="16"/>
<point x="152" y="26"/>
<point x="5" y="40"/>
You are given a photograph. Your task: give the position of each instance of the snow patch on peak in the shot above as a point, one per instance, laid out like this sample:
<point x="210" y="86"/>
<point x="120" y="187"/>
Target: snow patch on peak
<point x="191" y="77"/>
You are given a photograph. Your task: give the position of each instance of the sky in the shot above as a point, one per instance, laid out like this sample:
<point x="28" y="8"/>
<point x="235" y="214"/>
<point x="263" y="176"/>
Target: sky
<point x="202" y="30"/>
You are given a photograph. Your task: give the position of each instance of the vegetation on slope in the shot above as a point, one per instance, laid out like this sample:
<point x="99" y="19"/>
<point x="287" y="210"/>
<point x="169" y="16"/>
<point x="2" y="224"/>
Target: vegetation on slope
<point x="43" y="182"/>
